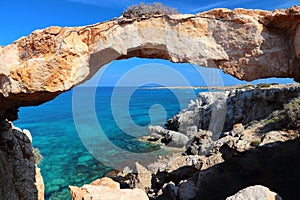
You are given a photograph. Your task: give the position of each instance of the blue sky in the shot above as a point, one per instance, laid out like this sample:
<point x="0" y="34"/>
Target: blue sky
<point x="20" y="18"/>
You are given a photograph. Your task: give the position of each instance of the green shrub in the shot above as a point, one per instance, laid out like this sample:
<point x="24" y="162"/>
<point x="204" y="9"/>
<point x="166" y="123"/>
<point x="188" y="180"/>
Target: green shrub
<point x="148" y="10"/>
<point x="292" y="113"/>
<point x="272" y="120"/>
<point x="255" y="143"/>
<point x="37" y="156"/>
<point x="275" y="117"/>
<point x="263" y="85"/>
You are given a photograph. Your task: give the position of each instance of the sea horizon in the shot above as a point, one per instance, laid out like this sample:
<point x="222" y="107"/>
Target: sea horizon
<point x="66" y="160"/>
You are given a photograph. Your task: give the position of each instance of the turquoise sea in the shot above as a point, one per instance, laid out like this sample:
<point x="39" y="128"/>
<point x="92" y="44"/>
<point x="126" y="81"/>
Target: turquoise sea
<point x="85" y="132"/>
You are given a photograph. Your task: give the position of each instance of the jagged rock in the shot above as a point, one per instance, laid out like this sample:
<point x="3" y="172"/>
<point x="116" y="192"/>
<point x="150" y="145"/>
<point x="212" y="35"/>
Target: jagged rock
<point x="219" y="111"/>
<point x="28" y="134"/>
<point x="176" y="139"/>
<point x="195" y="161"/>
<point x="191" y="131"/>
<point x="187" y="190"/>
<point x="200" y="144"/>
<point x="254" y="193"/>
<point x="237" y="129"/>
<point x="142" y="180"/>
<point x="278" y="136"/>
<point x="39" y="182"/>
<point x="105" y="190"/>
<point x="212" y="161"/>
<point x="208" y="107"/>
<point x="170" y="191"/>
<point x="37" y="68"/>
<point x="20" y="177"/>
<point x="107" y="182"/>
<point x="175" y="162"/>
<point x="157" y="130"/>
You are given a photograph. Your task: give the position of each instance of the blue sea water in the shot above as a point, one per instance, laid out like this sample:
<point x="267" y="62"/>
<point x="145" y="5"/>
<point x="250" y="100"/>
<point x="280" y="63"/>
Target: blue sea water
<point x="85" y="132"/>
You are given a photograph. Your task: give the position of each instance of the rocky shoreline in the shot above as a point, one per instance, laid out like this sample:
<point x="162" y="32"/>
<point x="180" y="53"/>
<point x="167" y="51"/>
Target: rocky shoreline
<point x="19" y="174"/>
<point x="245" y="43"/>
<point x="256" y="145"/>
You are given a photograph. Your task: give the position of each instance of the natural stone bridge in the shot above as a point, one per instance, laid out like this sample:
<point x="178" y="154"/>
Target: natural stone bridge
<point x="248" y="44"/>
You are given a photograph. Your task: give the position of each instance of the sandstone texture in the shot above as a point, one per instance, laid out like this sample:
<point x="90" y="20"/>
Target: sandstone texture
<point x="106" y="189"/>
<point x="20" y="178"/>
<point x="248" y="44"/>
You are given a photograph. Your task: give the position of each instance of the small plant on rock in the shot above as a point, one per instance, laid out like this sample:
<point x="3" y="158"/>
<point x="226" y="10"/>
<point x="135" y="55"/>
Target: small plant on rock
<point x="292" y="114"/>
<point x="148" y="10"/>
<point x="255" y="143"/>
<point x="37" y="156"/>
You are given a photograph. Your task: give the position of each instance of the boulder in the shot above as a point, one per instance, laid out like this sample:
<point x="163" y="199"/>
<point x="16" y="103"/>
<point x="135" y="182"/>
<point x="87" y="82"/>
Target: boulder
<point x="237" y="129"/>
<point x="107" y="182"/>
<point x="170" y="191"/>
<point x="187" y="190"/>
<point x="278" y="136"/>
<point x="176" y="139"/>
<point x="194" y="160"/>
<point x="157" y="130"/>
<point x="105" y="189"/>
<point x="254" y="193"/>
<point x="201" y="143"/>
<point x="142" y="178"/>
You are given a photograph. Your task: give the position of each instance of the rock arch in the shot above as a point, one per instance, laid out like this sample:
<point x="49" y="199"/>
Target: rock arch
<point x="248" y="44"/>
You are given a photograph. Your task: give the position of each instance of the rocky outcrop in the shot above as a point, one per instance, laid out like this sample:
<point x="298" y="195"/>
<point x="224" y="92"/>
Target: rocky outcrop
<point x="233" y="162"/>
<point x="248" y="44"/>
<point x="20" y="178"/>
<point x="255" y="192"/>
<point x="105" y="189"/>
<point x="254" y="152"/>
<point x="219" y="111"/>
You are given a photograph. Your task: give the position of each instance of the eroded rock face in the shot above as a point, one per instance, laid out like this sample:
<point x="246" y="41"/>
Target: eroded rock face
<point x="19" y="176"/>
<point x="247" y="44"/>
<point x="219" y="111"/>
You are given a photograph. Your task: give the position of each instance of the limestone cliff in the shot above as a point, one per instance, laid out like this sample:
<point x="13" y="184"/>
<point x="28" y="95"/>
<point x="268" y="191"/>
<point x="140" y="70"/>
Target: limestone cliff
<point x="247" y="44"/>
<point x="219" y="111"/>
<point x="20" y="178"/>
<point x="261" y="151"/>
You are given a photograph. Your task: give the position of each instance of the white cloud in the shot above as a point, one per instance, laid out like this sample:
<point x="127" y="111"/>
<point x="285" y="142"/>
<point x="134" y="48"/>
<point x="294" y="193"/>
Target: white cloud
<point x="287" y="4"/>
<point x="211" y="6"/>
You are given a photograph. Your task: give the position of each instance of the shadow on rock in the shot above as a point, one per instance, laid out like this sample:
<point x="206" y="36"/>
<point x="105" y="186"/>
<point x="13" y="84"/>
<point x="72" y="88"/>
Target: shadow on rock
<point x="275" y="166"/>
